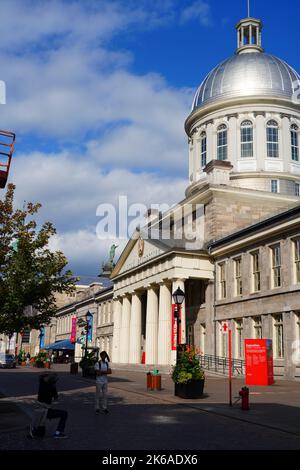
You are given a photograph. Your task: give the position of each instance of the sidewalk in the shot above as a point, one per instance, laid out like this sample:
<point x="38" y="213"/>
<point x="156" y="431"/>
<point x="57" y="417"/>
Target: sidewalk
<point x="12" y="417"/>
<point x="274" y="408"/>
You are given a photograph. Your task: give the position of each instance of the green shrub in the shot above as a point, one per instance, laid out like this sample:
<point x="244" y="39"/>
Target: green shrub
<point x="188" y="367"/>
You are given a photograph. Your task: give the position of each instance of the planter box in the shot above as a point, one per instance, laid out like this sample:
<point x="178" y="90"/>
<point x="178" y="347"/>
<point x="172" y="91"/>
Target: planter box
<point x="191" y="389"/>
<point x="39" y="364"/>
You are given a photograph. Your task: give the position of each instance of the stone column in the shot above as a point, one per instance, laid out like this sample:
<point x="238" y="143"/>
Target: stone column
<point x="260" y="145"/>
<point x="285" y="148"/>
<point x="151" y="326"/>
<point x="232" y="141"/>
<point x="135" y="330"/>
<point x="164" y="325"/>
<point x="289" y="336"/>
<point x="210" y="142"/>
<point x="180" y="283"/>
<point x="117" y="306"/>
<point x="125" y="330"/>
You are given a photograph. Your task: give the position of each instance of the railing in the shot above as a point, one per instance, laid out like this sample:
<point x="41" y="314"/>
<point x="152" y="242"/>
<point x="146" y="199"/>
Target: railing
<point x="220" y="365"/>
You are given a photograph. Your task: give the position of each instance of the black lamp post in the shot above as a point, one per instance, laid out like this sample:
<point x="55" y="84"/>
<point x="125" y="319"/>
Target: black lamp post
<point x="178" y="297"/>
<point x="87" y="326"/>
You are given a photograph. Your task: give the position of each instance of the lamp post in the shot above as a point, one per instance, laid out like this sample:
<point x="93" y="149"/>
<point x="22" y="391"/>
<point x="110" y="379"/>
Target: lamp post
<point x="86" y="325"/>
<point x="178" y="297"/>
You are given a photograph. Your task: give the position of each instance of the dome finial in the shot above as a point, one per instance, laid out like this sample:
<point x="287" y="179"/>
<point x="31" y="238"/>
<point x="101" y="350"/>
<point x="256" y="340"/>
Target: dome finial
<point x="249" y="34"/>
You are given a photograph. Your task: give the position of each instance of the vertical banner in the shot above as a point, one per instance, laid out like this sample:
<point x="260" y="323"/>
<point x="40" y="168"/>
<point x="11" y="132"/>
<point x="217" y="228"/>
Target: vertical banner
<point x="90" y="332"/>
<point x="73" y="330"/>
<point x="174" y="329"/>
<point x="42" y="337"/>
<point x="259" y="362"/>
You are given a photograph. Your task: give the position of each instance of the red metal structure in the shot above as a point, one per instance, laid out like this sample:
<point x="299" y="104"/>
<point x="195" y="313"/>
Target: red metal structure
<point x="7" y="143"/>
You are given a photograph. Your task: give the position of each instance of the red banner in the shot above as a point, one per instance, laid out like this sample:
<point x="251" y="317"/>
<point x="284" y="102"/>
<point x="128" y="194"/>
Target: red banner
<point x="259" y="362"/>
<point x="174" y="329"/>
<point x="73" y="330"/>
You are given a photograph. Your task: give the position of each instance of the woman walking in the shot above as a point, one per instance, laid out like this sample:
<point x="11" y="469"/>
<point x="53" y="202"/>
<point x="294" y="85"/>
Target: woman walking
<point x="102" y="369"/>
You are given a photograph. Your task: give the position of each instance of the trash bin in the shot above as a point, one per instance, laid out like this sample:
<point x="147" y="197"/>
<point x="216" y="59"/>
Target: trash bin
<point x="74" y="368"/>
<point x="156" y="381"/>
<point x="149" y="381"/>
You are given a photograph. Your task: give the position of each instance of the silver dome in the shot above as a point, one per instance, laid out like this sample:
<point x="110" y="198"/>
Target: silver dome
<point x="248" y="74"/>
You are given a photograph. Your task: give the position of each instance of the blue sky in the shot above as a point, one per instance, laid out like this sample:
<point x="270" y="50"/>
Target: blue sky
<point x="98" y="91"/>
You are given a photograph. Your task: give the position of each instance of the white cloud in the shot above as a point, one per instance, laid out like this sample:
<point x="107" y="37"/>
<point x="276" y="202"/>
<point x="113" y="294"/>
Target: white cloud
<point x="199" y="10"/>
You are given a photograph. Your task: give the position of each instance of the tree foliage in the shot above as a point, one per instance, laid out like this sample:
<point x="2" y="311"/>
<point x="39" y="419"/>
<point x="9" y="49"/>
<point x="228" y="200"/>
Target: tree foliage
<point x="30" y="273"/>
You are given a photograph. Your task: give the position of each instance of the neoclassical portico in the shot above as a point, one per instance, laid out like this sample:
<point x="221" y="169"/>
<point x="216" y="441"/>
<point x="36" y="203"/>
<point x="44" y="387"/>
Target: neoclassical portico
<point x="143" y="287"/>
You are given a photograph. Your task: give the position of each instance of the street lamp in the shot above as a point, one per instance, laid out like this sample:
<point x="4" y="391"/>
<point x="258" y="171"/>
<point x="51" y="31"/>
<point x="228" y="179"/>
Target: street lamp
<point x="178" y="297"/>
<point x="88" y="318"/>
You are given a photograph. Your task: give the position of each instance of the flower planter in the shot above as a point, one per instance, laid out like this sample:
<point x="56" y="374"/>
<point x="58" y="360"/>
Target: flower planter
<point x="46" y="365"/>
<point x="39" y="364"/>
<point x="23" y="363"/>
<point x="191" y="389"/>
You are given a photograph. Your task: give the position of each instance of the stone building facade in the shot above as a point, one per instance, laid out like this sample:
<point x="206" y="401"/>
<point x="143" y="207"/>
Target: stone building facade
<point x="244" y="174"/>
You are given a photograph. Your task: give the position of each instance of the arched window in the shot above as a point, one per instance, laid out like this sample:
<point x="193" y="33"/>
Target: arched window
<point x="247" y="139"/>
<point x="295" y="142"/>
<point x="222" y="142"/>
<point x="203" y="143"/>
<point x="272" y="139"/>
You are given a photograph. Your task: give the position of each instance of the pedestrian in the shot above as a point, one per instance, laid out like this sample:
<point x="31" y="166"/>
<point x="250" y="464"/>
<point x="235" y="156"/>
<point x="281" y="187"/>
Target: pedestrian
<point x="46" y="393"/>
<point x="102" y="369"/>
<point x="28" y="357"/>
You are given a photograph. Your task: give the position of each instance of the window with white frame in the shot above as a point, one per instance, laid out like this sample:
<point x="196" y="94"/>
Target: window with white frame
<point x="203" y="144"/>
<point x="223" y="343"/>
<point x="239" y="346"/>
<point x="238" y="276"/>
<point x="297" y="259"/>
<point x="295" y="142"/>
<point x="246" y="139"/>
<point x="297" y="189"/>
<point x="257" y="326"/>
<point x="256" y="271"/>
<point x="276" y="265"/>
<point x="274" y="186"/>
<point x="222" y="280"/>
<point x="279" y="338"/>
<point x="272" y="139"/>
<point x="222" y="142"/>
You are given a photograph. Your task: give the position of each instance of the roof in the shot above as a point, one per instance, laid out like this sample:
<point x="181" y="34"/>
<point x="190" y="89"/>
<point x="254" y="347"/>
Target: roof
<point x="252" y="74"/>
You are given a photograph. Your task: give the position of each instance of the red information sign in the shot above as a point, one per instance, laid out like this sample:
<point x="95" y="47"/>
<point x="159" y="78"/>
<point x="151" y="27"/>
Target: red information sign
<point x="73" y="330"/>
<point x="259" y="362"/>
<point x="174" y="329"/>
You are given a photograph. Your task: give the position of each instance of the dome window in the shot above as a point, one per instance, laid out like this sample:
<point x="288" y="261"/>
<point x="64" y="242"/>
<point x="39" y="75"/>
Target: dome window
<point x="247" y="139"/>
<point x="295" y="142"/>
<point x="203" y="143"/>
<point x="272" y="139"/>
<point x="222" y="142"/>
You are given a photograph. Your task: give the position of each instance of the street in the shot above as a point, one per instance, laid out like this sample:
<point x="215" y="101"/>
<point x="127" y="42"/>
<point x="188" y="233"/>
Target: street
<point x="141" y="420"/>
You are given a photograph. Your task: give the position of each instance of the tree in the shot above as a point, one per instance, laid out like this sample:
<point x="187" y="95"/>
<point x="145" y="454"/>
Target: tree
<point x="30" y="273"/>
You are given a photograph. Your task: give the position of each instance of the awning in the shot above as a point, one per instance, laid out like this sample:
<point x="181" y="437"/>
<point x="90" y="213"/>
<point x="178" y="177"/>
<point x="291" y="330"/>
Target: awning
<point x="63" y="345"/>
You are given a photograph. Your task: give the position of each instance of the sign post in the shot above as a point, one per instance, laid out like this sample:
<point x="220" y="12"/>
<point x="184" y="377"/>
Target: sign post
<point x="227" y="331"/>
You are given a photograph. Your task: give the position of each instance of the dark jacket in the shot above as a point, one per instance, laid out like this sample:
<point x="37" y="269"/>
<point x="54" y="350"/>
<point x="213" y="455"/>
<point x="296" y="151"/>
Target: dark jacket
<point x="47" y="391"/>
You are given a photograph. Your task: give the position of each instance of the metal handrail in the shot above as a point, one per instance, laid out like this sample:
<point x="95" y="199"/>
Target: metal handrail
<point x="220" y="364"/>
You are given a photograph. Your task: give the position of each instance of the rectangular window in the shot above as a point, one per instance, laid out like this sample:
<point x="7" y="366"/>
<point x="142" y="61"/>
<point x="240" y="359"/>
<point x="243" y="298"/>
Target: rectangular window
<point x="247" y="142"/>
<point x="256" y="271"/>
<point x="276" y="266"/>
<point x="222" y="281"/>
<point x="223" y="344"/>
<point x="257" y="325"/>
<point x="297" y="259"/>
<point x="272" y="142"/>
<point x="279" y="339"/>
<point x="239" y="339"/>
<point x="222" y="145"/>
<point x="274" y="186"/>
<point x="238" y="276"/>
<point x="297" y="189"/>
<point x="295" y="145"/>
